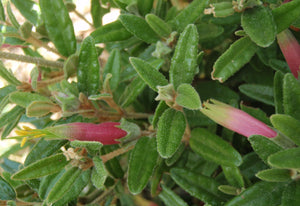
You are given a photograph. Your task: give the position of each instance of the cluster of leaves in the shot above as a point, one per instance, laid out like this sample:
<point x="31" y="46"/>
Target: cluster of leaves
<point x="226" y="52"/>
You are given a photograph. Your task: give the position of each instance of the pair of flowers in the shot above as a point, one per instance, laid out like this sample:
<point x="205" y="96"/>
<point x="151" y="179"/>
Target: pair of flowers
<point x="225" y="115"/>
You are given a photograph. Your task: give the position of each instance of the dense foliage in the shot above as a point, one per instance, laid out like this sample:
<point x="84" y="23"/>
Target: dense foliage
<point x="196" y="104"/>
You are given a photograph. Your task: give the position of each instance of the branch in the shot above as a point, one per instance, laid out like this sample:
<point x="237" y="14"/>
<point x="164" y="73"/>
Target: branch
<point x="33" y="60"/>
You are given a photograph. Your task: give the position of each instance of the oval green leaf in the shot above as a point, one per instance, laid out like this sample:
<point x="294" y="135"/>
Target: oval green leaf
<point x="261" y="93"/>
<point x="24" y="99"/>
<point x="213" y="148"/>
<point x="111" y="32"/>
<point x="199" y="186"/>
<point x="275" y="175"/>
<point x="59" y="26"/>
<point x="158" y="25"/>
<point x="170" y="130"/>
<point x="257" y="19"/>
<point x="189" y="15"/>
<point x="233" y="176"/>
<point x="99" y="173"/>
<point x="233" y="59"/>
<point x="144" y="6"/>
<point x="287" y="159"/>
<point x="288" y="126"/>
<point x="184" y="60"/>
<point x="88" y="71"/>
<point x="139" y="28"/>
<point x="170" y="198"/>
<point x="142" y="162"/>
<point x="260" y="194"/>
<point x="263" y="146"/>
<point x="291" y="97"/>
<point x="286" y="14"/>
<point x="7" y="192"/>
<point x="188" y="97"/>
<point x="64" y="184"/>
<point x="43" y="167"/>
<point x="148" y="73"/>
<point x="291" y="194"/>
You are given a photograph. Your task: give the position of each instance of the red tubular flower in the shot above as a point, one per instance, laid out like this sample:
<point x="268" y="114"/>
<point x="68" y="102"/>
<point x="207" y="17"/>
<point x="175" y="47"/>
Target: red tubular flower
<point x="106" y="133"/>
<point x="290" y="49"/>
<point x="236" y="120"/>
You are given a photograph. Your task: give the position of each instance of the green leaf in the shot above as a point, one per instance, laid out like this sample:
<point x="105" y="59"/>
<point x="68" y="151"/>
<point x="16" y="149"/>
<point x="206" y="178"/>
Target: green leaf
<point x="263" y="146"/>
<point x="148" y="73"/>
<point x="170" y="198"/>
<point x="132" y="91"/>
<point x="7" y="192"/>
<point x="42" y="167"/>
<point x="142" y="161"/>
<point x="170" y="130"/>
<point x="257" y="19"/>
<point x="199" y="186"/>
<point x="286" y="14"/>
<point x="288" y="126"/>
<point x="70" y="66"/>
<point x="189" y="15"/>
<point x="233" y="59"/>
<point x="260" y="194"/>
<point x="97" y="13"/>
<point x="11" y="16"/>
<point x="233" y="176"/>
<point x="28" y="9"/>
<point x="274" y="175"/>
<point x="79" y="184"/>
<point x="24" y="99"/>
<point x="59" y="26"/>
<point x="209" y="31"/>
<point x="99" y="173"/>
<point x="113" y="66"/>
<point x="291" y="96"/>
<point x="2" y="13"/>
<point x="278" y="92"/>
<point x="8" y="75"/>
<point x="139" y="28"/>
<point x="111" y="32"/>
<point x="42" y="149"/>
<point x="10" y="116"/>
<point x="158" y="25"/>
<point x="184" y="60"/>
<point x="92" y="147"/>
<point x="261" y="93"/>
<point x="291" y="194"/>
<point x="47" y="184"/>
<point x="215" y="90"/>
<point x="286" y="159"/>
<point x="161" y="107"/>
<point x="144" y="6"/>
<point x="170" y="161"/>
<point x="64" y="184"/>
<point x="188" y="97"/>
<point x="211" y="147"/>
<point x="88" y="71"/>
<point x="40" y="108"/>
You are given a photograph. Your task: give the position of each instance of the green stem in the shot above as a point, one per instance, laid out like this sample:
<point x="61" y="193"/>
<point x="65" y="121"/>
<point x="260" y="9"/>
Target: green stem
<point x="83" y="18"/>
<point x="34" y="60"/>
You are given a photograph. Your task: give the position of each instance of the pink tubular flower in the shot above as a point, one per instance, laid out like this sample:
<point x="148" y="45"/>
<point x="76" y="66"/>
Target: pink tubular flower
<point x="290" y="49"/>
<point x="236" y="120"/>
<point x="106" y="133"/>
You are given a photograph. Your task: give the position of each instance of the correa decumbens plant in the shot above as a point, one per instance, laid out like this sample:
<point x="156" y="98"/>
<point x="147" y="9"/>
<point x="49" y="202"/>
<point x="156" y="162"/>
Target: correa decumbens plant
<point x="197" y="103"/>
